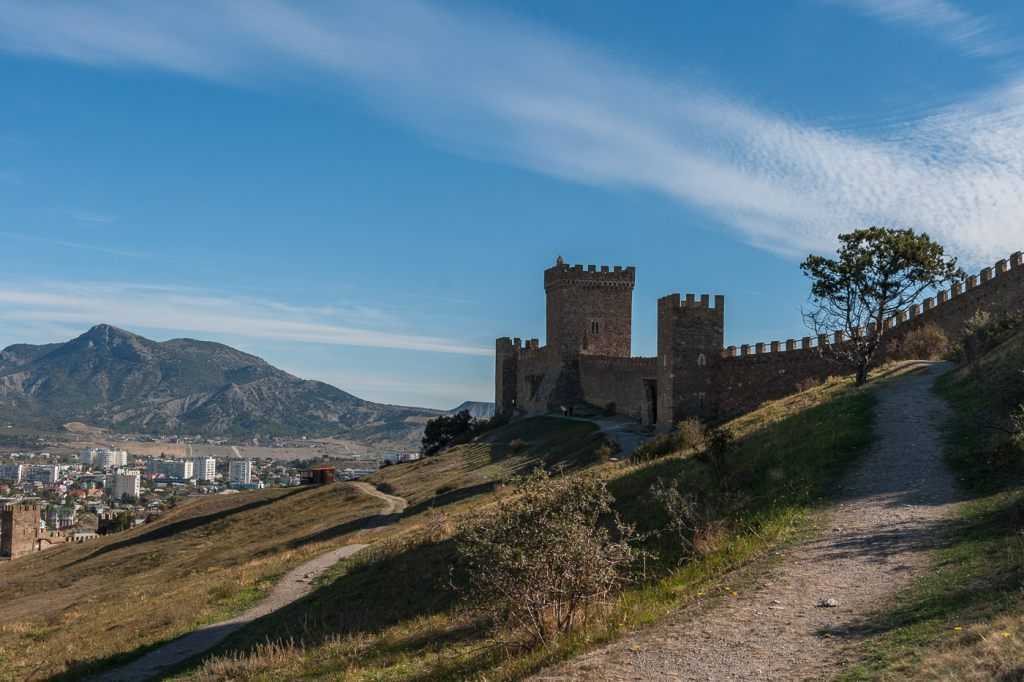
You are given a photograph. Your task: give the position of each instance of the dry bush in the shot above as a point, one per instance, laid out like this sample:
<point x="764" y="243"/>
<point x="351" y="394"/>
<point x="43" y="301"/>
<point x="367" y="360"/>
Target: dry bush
<point x="604" y="453"/>
<point x="688" y="518"/>
<point x="690" y="433"/>
<point x="807" y="383"/>
<point x="517" y="445"/>
<point x="927" y="342"/>
<point x="718" y="447"/>
<point x="543" y="564"/>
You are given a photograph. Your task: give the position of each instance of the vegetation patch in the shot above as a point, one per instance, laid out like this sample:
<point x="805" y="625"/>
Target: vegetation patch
<point x="964" y="619"/>
<point x="778" y="466"/>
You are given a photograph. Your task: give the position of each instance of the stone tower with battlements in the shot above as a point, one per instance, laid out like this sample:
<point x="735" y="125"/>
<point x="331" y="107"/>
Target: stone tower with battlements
<point x="589" y="310"/>
<point x="691" y="335"/>
<point x="19" y="528"/>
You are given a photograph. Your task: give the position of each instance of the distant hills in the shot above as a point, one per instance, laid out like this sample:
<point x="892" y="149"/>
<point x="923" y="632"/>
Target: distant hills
<point x="477" y="410"/>
<point x="115" y="379"/>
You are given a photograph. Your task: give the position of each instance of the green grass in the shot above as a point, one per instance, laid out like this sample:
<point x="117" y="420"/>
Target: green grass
<point x="964" y="619"/>
<point x="387" y="615"/>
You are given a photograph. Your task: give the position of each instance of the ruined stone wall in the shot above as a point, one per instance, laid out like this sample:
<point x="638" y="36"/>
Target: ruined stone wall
<point x="589" y="311"/>
<point x="622" y="381"/>
<point x="19" y="528"/>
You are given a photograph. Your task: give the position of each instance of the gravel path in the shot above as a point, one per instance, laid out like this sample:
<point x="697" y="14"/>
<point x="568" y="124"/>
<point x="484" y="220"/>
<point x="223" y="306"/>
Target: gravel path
<point x="875" y="540"/>
<point x="295" y="584"/>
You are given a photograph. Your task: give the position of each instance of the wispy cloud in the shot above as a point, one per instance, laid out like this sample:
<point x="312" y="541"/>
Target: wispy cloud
<point x="494" y="87"/>
<point x="972" y="34"/>
<point x="90" y="217"/>
<point x="194" y="312"/>
<point x="64" y="243"/>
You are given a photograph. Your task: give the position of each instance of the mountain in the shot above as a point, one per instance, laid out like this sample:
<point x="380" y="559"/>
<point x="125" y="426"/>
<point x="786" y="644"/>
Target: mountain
<point x="112" y="378"/>
<point x="477" y="410"/>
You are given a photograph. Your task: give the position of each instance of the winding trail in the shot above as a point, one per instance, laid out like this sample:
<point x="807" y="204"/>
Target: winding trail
<point x="890" y="514"/>
<point x="295" y="584"/>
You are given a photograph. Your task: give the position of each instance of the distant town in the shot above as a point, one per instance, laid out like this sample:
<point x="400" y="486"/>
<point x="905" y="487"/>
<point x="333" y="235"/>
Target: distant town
<point x="101" y="490"/>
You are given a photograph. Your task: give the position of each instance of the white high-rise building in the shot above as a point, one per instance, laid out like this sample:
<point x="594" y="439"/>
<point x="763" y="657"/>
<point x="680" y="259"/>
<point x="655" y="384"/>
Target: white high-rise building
<point x="109" y="459"/>
<point x="125" y="481"/>
<point x="12" y="472"/>
<point x="172" y="468"/>
<point x="240" y="471"/>
<point x="204" y="468"/>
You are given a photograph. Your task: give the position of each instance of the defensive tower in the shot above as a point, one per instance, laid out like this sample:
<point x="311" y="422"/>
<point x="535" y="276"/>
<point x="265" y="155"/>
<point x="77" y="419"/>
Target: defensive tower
<point x="589" y="311"/>
<point x="691" y="334"/>
<point x="19" y="528"/>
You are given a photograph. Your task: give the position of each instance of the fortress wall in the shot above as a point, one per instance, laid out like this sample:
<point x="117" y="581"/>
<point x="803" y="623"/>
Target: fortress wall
<point x="746" y="381"/>
<point x="540" y="379"/>
<point x="998" y="290"/>
<point x="751" y="375"/>
<point x="617" y="380"/>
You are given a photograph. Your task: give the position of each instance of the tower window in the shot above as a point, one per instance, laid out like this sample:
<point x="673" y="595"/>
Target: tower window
<point x="595" y="327"/>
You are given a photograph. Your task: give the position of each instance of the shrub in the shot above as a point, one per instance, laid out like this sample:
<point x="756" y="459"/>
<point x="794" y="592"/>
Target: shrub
<point x="610" y="410"/>
<point x="687" y="518"/>
<point x="927" y="342"/>
<point x="543" y="563"/>
<point x="690" y="434"/>
<point x="807" y="383"/>
<point x="517" y="445"/>
<point x="604" y="453"/>
<point x="442" y="431"/>
<point x="718" y="445"/>
<point x="656" y="447"/>
<point x="386" y="488"/>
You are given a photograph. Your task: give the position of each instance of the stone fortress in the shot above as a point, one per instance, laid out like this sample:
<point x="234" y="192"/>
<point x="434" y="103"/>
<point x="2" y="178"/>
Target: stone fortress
<point x="588" y="359"/>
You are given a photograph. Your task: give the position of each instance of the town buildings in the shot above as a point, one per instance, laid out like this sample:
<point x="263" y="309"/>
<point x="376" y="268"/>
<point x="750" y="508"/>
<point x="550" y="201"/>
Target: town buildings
<point x="204" y="468"/>
<point x="240" y="471"/>
<point x="125" y="482"/>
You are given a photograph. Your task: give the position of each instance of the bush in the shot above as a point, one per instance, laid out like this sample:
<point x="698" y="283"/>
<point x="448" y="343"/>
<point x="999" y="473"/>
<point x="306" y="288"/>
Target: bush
<point x="687" y="517"/>
<point x="690" y="434"/>
<point x="807" y="384"/>
<point x="442" y="431"/>
<point x="659" y="446"/>
<point x="386" y="488"/>
<point x="927" y="342"/>
<point x="717" y="448"/>
<point x="604" y="454"/>
<point x="517" y="445"/>
<point x="610" y="410"/>
<point x="542" y="564"/>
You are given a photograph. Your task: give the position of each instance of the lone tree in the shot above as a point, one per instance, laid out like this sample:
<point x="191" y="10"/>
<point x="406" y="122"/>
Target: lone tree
<point x="877" y="273"/>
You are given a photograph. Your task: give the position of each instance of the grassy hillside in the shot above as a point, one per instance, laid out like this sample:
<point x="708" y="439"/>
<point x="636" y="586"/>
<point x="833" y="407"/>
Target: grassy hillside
<point x="78" y="606"/>
<point x="965" y="620"/>
<point x="388" y="614"/>
<point x="474" y="468"/>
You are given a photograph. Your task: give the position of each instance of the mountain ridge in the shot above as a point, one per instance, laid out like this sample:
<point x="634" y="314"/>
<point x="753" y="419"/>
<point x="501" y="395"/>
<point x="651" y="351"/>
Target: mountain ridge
<point x="117" y="379"/>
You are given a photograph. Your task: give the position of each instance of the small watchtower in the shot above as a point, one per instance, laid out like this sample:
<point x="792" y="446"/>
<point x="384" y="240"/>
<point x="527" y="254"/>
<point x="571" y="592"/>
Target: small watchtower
<point x="691" y="333"/>
<point x="19" y="528"/>
<point x="589" y="311"/>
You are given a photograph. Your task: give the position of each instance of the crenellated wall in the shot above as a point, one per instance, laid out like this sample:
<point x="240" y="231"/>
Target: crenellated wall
<point x="752" y="374"/>
<point x="692" y="375"/>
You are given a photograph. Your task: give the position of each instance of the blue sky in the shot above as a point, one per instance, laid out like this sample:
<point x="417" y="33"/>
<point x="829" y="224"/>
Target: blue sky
<point x="367" y="193"/>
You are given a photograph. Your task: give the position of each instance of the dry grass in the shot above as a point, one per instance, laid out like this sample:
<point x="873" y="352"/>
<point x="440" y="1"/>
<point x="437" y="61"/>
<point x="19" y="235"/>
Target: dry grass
<point x="387" y="615"/>
<point x="76" y="605"/>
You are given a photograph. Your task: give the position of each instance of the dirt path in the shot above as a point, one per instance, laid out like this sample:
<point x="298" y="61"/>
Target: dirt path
<point x="873" y="542"/>
<point x="295" y="584"/>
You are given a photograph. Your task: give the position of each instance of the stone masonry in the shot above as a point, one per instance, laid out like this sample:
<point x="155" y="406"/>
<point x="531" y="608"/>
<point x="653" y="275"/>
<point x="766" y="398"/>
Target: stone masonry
<point x="587" y="357"/>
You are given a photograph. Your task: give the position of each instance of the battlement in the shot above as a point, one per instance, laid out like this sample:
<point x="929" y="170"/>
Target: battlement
<point x="562" y="274"/>
<point x="509" y="346"/>
<point x="691" y="301"/>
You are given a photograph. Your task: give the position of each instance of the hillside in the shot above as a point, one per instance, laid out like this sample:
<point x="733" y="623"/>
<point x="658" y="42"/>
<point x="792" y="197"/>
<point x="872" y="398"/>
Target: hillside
<point x="206" y="560"/>
<point x="112" y="378"/>
<point x="964" y="620"/>
<point x="476" y="409"/>
<point x="788" y="453"/>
